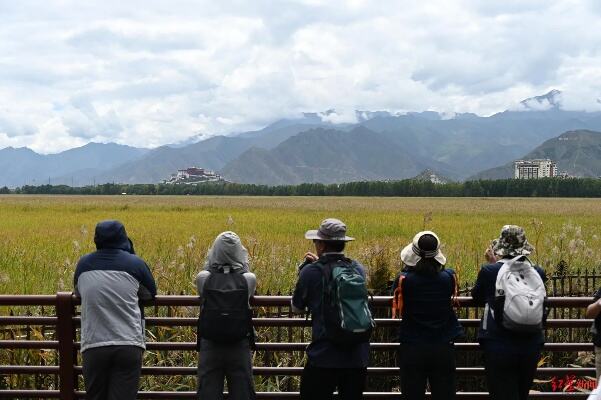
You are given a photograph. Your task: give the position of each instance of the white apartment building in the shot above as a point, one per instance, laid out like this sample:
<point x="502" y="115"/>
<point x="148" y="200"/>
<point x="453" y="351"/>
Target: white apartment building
<point x="535" y="169"/>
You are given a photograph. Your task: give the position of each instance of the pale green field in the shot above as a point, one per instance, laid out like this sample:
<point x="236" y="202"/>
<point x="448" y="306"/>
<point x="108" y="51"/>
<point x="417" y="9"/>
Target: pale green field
<point x="41" y="237"/>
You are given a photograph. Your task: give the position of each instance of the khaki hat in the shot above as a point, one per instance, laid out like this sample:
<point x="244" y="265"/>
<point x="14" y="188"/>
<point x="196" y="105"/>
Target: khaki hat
<point x="331" y="229"/>
<point x="412" y="253"/>
<point x="512" y="242"/>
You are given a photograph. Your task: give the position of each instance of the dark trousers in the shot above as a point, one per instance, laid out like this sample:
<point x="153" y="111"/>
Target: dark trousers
<point x="320" y="383"/>
<point x="217" y="362"/>
<point x="433" y="363"/>
<point x="112" y="372"/>
<point x="510" y="375"/>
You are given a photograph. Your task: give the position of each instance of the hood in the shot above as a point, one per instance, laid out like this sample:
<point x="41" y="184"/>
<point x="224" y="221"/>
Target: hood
<point x="111" y="235"/>
<point x="227" y="253"/>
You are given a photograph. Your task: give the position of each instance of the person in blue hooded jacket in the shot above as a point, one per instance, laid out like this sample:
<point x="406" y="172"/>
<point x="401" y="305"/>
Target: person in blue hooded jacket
<point x="424" y="293"/>
<point x="111" y="282"/>
<point x="510" y="358"/>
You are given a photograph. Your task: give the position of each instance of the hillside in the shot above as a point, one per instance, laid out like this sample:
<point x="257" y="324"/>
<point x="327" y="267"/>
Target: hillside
<point x="325" y="155"/>
<point x="576" y="152"/>
<point x="475" y="144"/>
<point x="24" y="166"/>
<point x="213" y="154"/>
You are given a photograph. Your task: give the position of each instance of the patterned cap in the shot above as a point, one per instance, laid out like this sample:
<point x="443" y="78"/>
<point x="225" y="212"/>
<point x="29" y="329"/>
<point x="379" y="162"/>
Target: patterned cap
<point x="512" y="242"/>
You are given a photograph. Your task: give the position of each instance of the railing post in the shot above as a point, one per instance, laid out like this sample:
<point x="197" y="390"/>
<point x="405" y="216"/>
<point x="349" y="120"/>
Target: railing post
<point x="66" y="345"/>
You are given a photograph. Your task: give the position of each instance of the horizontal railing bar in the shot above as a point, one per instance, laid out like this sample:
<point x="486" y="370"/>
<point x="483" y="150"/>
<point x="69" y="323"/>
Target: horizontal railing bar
<point x="271" y="371"/>
<point x="366" y="395"/>
<point x="267" y="346"/>
<point x="380" y="322"/>
<point x="377" y="301"/>
<point x="27" y="300"/>
<point x="30" y="394"/>
<point x="55" y="394"/>
<point x="28" y="369"/>
<point x="28" y="320"/>
<point x="191" y="346"/>
<point x="270" y="322"/>
<point x="275" y="371"/>
<point x="28" y="344"/>
<point x="262" y="301"/>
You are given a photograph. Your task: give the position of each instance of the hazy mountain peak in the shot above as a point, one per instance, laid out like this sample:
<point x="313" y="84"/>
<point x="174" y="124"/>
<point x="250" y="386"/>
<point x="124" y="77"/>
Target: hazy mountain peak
<point x="18" y="151"/>
<point x="550" y="100"/>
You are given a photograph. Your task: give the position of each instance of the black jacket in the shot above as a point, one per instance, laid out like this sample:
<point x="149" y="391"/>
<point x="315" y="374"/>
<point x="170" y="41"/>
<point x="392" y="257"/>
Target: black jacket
<point x="428" y="315"/>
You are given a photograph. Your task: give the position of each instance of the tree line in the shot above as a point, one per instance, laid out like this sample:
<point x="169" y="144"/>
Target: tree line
<point x="548" y="187"/>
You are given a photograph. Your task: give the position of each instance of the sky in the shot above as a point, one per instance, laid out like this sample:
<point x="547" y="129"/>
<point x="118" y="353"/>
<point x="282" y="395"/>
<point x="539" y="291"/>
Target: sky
<point x="147" y="73"/>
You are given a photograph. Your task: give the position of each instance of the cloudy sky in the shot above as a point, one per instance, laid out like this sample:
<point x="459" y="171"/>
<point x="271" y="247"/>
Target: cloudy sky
<point x="147" y="73"/>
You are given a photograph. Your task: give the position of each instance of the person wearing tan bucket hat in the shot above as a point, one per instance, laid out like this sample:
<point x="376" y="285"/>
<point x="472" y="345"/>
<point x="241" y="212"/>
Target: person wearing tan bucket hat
<point x="423" y="295"/>
<point x="511" y="355"/>
<point x="333" y="289"/>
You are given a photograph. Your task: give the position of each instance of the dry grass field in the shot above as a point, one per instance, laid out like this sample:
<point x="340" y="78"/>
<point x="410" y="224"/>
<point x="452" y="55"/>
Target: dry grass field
<point x="41" y="237"/>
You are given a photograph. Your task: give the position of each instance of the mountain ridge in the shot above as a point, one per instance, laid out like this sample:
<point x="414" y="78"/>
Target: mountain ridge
<point x="457" y="145"/>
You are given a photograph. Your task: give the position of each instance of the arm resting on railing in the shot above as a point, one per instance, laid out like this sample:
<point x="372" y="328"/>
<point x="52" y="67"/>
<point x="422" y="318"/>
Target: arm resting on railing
<point x="593" y="310"/>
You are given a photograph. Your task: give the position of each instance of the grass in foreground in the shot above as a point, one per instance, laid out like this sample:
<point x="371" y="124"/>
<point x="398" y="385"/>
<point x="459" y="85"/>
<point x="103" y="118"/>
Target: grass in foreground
<point x="42" y="237"/>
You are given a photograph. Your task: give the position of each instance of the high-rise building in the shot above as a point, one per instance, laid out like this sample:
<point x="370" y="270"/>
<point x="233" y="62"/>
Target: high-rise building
<point x="535" y="169"/>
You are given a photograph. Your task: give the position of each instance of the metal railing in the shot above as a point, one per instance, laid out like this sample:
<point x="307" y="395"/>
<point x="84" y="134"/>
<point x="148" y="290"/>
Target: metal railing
<point x="66" y="321"/>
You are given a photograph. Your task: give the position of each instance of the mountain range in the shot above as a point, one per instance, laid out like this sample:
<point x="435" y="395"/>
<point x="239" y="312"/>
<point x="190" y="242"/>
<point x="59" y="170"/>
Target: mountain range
<point x="326" y="155"/>
<point x="316" y="147"/>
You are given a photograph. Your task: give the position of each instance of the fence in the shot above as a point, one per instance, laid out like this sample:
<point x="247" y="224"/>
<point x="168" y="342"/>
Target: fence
<point x="68" y="371"/>
<point x="580" y="283"/>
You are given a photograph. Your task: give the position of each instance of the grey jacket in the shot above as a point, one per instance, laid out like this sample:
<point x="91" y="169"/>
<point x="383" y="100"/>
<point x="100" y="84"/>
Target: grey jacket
<point x="111" y="282"/>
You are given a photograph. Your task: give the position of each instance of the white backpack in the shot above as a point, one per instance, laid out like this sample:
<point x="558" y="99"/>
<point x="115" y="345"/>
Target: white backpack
<point x="520" y="294"/>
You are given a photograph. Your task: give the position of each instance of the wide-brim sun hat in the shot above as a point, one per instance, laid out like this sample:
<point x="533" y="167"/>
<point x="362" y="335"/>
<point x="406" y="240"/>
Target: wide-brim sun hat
<point x="412" y="253"/>
<point x="330" y="229"/>
<point x="512" y="242"/>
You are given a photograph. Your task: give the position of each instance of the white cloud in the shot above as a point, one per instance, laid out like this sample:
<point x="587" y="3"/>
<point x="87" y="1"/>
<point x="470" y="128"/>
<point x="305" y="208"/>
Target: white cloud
<point x="339" y="117"/>
<point x="150" y="72"/>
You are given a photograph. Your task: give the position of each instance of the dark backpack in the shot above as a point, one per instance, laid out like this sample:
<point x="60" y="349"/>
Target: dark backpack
<point x="225" y="316"/>
<point x="345" y="303"/>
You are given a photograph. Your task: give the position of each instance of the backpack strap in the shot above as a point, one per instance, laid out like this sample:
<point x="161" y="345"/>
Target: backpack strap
<point x="511" y="261"/>
<point x="326" y="265"/>
<point x="397" y="297"/>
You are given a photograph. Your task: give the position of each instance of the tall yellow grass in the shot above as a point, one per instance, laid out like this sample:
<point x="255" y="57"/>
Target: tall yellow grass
<point x="42" y="237"/>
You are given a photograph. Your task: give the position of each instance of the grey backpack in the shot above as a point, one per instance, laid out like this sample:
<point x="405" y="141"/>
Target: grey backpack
<point x="520" y="296"/>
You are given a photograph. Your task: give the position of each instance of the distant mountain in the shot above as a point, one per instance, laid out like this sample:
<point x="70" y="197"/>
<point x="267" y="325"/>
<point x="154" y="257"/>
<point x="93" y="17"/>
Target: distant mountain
<point x="470" y="143"/>
<point x="455" y="145"/>
<point x="213" y="154"/>
<point x="325" y="155"/>
<point x="550" y="100"/>
<point x="160" y="163"/>
<point x="576" y="152"/>
<point x="23" y="166"/>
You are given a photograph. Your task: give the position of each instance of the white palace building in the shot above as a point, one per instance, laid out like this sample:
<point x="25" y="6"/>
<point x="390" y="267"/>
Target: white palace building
<point x="535" y="169"/>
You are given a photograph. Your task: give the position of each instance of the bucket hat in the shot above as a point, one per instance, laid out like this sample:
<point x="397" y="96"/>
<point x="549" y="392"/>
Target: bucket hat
<point x="331" y="229"/>
<point x="512" y="242"/>
<point x="425" y="245"/>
